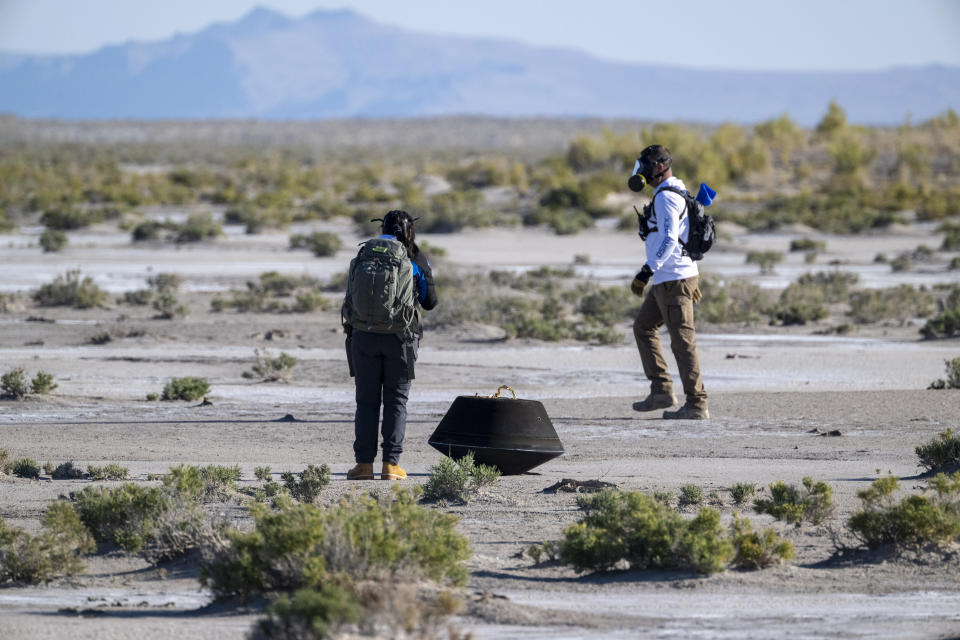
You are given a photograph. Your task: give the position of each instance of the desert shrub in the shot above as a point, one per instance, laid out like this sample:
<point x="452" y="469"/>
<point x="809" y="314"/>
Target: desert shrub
<point x="951" y="239"/>
<point x="271" y="369"/>
<point x="69" y="290"/>
<point x="562" y="221"/>
<point x="322" y="243"/>
<point x="52" y="240"/>
<point x="310" y="613"/>
<point x="916" y="520"/>
<point x="734" y="301"/>
<point x="800" y="304"/>
<point x="764" y="259"/>
<point x="42" y="383"/>
<point x="307" y="485"/>
<point x="168" y="307"/>
<point x="628" y="526"/>
<point x="895" y="303"/>
<point x="807" y="244"/>
<point x="903" y="262"/>
<point x="14" y="384"/>
<point x="112" y="471"/>
<point x="946" y="323"/>
<point x="834" y="284"/>
<point x="203" y="483"/>
<point x="146" y="231"/>
<point x="458" y="480"/>
<point x="185" y="389"/>
<point x="26" y="468"/>
<point x="310" y="301"/>
<point x="103" y="337"/>
<point x="6" y="465"/>
<point x="139" y="298"/>
<point x="160" y="523"/>
<point x="67" y="219"/>
<point x="758" y="550"/>
<point x="742" y="491"/>
<point x="48" y="468"/>
<point x="198" y="227"/>
<point x="303" y="545"/>
<point x="606" y="305"/>
<point x="690" y="495"/>
<point x="953" y="376"/>
<point x="811" y="501"/>
<point x="29" y="559"/>
<point x="125" y="516"/>
<point x="941" y="454"/>
<point x="67" y="471"/>
<point x="262" y="474"/>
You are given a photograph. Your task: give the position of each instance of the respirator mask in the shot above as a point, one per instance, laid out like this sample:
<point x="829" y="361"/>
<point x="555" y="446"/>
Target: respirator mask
<point x="643" y="172"/>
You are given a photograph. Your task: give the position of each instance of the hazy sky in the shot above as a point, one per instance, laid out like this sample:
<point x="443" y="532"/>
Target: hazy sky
<point x="731" y="34"/>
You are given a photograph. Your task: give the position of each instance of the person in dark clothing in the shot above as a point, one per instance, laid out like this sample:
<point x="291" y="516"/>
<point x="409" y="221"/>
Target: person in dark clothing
<point x="383" y="366"/>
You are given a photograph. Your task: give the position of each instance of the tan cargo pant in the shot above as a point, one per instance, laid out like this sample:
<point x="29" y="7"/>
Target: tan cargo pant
<point x="670" y="303"/>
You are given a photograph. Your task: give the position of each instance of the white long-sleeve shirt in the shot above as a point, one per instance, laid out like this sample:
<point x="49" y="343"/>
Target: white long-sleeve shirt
<point x="664" y="251"/>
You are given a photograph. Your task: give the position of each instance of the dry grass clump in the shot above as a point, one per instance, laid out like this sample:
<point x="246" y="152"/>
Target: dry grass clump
<point x="758" y="550"/>
<point x="459" y="480"/>
<point x="811" y="502"/>
<point x="187" y="388"/>
<point x="942" y="454"/>
<point x="112" y="471"/>
<point x="70" y="290"/>
<point x="13" y="384"/>
<point x="56" y="550"/>
<point x="918" y="521"/>
<point x="268" y="368"/>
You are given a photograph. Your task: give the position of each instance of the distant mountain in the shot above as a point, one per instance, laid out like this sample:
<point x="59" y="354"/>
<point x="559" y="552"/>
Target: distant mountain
<point x="340" y="64"/>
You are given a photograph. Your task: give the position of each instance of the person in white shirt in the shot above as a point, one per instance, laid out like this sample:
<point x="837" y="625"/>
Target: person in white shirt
<point x="670" y="300"/>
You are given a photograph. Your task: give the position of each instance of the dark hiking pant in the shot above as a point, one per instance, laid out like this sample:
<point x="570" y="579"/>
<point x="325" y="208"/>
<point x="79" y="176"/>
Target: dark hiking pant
<point x="383" y="370"/>
<point x="670" y="303"/>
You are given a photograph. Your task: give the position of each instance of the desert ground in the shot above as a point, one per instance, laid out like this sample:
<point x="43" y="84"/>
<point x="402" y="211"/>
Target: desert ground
<point x="772" y="390"/>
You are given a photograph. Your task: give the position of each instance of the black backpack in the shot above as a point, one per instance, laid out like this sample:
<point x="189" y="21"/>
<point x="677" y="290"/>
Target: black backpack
<point x="702" y="233"/>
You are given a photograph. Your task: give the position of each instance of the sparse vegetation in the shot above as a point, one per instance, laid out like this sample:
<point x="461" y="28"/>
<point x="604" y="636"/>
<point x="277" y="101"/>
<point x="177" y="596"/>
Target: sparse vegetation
<point x="56" y="550"/>
<point x="811" y="502"/>
<point x="322" y="243"/>
<point x="42" y="383"/>
<point x="953" y="376"/>
<point x="111" y="471"/>
<point x="185" y="389"/>
<point x="458" y="479"/>
<point x="26" y="468"/>
<point x="307" y="485"/>
<point x="14" y="384"/>
<point x="304" y="546"/>
<point x="915" y="521"/>
<point x="70" y="290"/>
<point x="262" y="473"/>
<point x="690" y="496"/>
<point x="67" y="471"/>
<point x="626" y="526"/>
<point x="942" y="454"/>
<point x="758" y="550"/>
<point x="764" y="259"/>
<point x="52" y="240"/>
<point x="742" y="491"/>
<point x="271" y="369"/>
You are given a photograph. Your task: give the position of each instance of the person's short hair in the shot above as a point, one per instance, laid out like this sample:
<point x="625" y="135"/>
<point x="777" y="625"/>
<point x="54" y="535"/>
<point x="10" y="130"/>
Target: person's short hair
<point x="656" y="153"/>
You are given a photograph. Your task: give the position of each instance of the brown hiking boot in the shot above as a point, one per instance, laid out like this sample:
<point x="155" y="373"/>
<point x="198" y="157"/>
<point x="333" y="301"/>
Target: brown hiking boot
<point x="686" y="412"/>
<point x="363" y="471"/>
<point x="392" y="472"/>
<point x="655" y="401"/>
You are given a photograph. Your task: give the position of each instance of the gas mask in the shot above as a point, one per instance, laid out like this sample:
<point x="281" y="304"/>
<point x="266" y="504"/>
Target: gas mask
<point x="642" y="174"/>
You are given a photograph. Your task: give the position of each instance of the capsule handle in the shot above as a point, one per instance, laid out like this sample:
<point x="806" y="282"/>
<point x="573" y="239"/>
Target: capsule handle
<point x="501" y="388"/>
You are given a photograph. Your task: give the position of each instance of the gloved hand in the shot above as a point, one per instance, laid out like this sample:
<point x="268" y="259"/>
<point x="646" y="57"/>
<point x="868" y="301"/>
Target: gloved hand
<point x="640" y="280"/>
<point x="697" y="295"/>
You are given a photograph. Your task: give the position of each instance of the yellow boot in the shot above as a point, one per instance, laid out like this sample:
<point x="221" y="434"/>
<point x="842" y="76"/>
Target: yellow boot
<point x="363" y="471"/>
<point x="392" y="472"/>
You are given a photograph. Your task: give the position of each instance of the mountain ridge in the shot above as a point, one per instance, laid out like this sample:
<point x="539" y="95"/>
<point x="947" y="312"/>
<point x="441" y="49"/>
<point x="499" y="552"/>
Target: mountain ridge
<point x="339" y="64"/>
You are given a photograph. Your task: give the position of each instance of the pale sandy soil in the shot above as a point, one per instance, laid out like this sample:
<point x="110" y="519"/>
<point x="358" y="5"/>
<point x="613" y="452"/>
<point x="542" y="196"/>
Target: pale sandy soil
<point x="768" y="389"/>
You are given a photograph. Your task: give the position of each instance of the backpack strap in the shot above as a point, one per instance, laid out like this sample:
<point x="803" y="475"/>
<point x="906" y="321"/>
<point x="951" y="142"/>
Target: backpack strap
<point x="681" y="192"/>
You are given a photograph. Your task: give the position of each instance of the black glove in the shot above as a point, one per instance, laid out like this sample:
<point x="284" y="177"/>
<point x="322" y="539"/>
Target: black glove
<point x="640" y="280"/>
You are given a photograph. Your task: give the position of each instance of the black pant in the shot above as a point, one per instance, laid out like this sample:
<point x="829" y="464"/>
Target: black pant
<point x="383" y="368"/>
